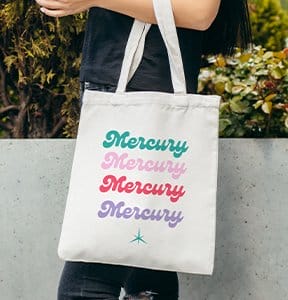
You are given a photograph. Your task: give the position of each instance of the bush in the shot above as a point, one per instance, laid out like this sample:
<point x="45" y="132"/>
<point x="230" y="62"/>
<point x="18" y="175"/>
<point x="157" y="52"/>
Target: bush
<point x="269" y="24"/>
<point x="39" y="66"/>
<point x="254" y="90"/>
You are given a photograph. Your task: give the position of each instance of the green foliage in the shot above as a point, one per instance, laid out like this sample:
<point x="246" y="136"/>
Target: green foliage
<point x="269" y="24"/>
<point x="40" y="61"/>
<point x="284" y="4"/>
<point x="254" y="90"/>
<point x="39" y="66"/>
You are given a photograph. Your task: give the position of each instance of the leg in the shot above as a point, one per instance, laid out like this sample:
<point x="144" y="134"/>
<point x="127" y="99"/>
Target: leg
<point x="164" y="283"/>
<point x="93" y="281"/>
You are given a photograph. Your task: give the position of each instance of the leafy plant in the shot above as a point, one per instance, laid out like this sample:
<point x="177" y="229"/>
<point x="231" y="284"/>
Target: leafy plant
<point x="39" y="66"/>
<point x="254" y="90"/>
<point x="40" y="61"/>
<point x="269" y="22"/>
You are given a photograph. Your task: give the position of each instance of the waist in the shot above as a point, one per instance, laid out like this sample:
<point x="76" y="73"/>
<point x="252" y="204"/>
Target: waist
<point x="88" y="85"/>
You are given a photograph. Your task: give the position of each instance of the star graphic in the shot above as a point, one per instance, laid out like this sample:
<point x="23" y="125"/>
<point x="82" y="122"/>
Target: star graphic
<point x="138" y="238"/>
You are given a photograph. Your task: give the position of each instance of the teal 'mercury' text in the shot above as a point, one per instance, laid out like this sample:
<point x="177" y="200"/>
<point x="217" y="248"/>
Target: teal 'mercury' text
<point x="125" y="140"/>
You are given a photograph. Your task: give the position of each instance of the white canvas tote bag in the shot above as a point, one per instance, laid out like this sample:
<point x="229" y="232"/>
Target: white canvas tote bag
<point x="144" y="176"/>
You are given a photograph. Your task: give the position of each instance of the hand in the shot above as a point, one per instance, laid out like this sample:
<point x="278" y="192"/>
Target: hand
<point x="61" y="8"/>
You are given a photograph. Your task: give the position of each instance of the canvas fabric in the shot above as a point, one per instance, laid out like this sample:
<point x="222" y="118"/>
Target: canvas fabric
<point x="143" y="183"/>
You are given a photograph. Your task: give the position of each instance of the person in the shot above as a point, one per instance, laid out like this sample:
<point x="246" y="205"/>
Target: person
<point x="203" y="27"/>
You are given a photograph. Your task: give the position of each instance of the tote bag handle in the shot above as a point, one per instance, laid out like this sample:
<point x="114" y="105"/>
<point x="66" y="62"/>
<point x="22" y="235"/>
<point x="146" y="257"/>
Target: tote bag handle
<point x="136" y="42"/>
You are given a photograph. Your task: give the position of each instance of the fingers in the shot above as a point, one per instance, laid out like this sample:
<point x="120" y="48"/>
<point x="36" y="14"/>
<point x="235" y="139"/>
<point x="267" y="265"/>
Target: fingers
<point x="61" y="8"/>
<point x="54" y="13"/>
<point x="54" y="8"/>
<point x="51" y="4"/>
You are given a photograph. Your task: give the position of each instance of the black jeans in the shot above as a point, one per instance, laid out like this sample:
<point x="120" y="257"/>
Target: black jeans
<point x="83" y="280"/>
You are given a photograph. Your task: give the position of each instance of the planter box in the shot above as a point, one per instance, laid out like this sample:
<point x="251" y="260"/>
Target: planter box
<point x="252" y="240"/>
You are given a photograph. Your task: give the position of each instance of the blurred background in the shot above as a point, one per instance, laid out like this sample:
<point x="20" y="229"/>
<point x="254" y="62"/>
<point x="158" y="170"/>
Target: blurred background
<point x="40" y="59"/>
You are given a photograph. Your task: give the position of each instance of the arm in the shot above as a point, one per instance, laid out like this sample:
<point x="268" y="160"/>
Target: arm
<point x="193" y="14"/>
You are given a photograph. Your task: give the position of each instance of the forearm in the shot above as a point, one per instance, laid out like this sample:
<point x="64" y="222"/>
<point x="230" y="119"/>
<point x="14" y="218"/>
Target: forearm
<point x="194" y="14"/>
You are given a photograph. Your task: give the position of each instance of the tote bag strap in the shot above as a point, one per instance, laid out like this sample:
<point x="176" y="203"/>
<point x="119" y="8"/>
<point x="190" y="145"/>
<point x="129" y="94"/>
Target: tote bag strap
<point x="133" y="53"/>
<point x="136" y="42"/>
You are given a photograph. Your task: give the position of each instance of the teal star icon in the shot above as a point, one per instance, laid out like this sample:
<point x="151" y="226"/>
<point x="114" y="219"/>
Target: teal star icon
<point x="138" y="238"/>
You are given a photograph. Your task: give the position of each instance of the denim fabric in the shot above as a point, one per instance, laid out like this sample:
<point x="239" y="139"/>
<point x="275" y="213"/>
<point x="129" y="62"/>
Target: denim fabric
<point x="99" y="87"/>
<point x="84" y="280"/>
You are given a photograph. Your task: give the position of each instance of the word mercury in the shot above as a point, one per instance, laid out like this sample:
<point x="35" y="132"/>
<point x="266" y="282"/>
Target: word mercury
<point x="122" y="161"/>
<point x="112" y="183"/>
<point x="111" y="209"/>
<point x="114" y="138"/>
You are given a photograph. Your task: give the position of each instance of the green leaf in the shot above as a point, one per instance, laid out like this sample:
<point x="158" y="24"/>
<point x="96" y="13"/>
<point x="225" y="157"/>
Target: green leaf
<point x="239" y="132"/>
<point x="220" y="87"/>
<point x="223" y="123"/>
<point x="224" y="106"/>
<point x="247" y="91"/>
<point x="49" y="77"/>
<point x="237" y="89"/>
<point x="245" y="57"/>
<point x="267" y="55"/>
<point x="270" y="97"/>
<point x="258" y="104"/>
<point x="228" y="87"/>
<point x="9" y="61"/>
<point x="238" y="106"/>
<point x="277" y="73"/>
<point x="262" y="72"/>
<point x="267" y="107"/>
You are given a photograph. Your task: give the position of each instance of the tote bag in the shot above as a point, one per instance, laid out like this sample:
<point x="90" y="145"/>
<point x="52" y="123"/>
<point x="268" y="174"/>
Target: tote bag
<point x="144" y="175"/>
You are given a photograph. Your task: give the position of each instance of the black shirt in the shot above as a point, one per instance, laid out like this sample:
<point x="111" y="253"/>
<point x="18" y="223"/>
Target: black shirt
<point x="103" y="51"/>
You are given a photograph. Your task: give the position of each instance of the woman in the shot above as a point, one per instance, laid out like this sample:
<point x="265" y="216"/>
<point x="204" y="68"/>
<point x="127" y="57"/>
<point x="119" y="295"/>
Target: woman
<point x="206" y="26"/>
